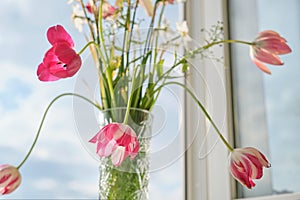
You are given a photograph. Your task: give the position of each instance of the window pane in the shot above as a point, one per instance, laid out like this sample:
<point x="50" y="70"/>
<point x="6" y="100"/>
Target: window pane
<point x="266" y="111"/>
<point x="282" y="95"/>
<point x="59" y="166"/>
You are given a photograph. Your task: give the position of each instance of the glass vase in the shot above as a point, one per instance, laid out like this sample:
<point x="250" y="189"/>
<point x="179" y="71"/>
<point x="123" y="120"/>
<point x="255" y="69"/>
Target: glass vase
<point x="130" y="179"/>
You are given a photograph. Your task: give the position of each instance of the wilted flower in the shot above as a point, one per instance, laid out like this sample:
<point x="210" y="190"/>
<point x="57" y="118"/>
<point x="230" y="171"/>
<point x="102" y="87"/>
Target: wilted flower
<point x="117" y="140"/>
<point x="10" y="178"/>
<point x="247" y="164"/>
<point x="61" y="60"/>
<point x="266" y="48"/>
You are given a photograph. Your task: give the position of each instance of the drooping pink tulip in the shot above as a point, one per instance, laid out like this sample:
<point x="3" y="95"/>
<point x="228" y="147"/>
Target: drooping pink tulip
<point x="61" y="60"/>
<point x="247" y="164"/>
<point x="118" y="141"/>
<point x="266" y="48"/>
<point x="10" y="179"/>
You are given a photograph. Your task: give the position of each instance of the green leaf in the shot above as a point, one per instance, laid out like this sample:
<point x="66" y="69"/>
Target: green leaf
<point x="159" y="68"/>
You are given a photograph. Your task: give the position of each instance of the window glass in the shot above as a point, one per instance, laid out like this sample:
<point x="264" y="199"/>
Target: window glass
<point x="282" y="95"/>
<point x="265" y="106"/>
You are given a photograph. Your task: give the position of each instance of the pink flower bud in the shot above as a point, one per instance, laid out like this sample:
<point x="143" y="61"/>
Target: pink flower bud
<point x="247" y="164"/>
<point x="10" y="179"/>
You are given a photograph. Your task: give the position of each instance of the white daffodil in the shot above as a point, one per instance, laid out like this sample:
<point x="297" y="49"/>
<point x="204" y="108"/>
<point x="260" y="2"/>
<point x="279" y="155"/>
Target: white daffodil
<point x="183" y="30"/>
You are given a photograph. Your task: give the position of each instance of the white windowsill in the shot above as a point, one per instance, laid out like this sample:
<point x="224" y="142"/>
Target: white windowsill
<point x="293" y="196"/>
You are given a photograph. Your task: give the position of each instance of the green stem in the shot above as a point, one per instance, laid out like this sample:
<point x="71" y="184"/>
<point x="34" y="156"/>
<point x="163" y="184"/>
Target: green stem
<point x="86" y="46"/>
<point x="130" y="97"/>
<point x="159" y="24"/>
<point x="230" y="148"/>
<point x="108" y="70"/>
<point x="86" y="17"/>
<point x="98" y="48"/>
<point x="188" y="55"/>
<point x="110" y="86"/>
<point x="43" y="119"/>
<point x="100" y="19"/>
<point x="216" y="43"/>
<point x="131" y="29"/>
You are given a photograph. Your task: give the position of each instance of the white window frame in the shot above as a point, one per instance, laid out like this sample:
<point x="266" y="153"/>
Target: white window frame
<point x="209" y="179"/>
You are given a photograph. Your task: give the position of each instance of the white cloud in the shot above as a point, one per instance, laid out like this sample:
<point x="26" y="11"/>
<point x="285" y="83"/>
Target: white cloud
<point x="46" y="184"/>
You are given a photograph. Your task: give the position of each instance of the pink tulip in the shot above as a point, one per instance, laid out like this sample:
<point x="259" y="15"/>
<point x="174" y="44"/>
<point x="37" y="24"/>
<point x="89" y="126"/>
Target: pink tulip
<point x="118" y="141"/>
<point x="107" y="9"/>
<point x="247" y="164"/>
<point x="89" y="8"/>
<point x="266" y="48"/>
<point x="61" y="60"/>
<point x="10" y="179"/>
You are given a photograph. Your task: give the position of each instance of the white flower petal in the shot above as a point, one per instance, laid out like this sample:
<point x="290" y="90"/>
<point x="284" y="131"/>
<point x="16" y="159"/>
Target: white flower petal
<point x="117" y="156"/>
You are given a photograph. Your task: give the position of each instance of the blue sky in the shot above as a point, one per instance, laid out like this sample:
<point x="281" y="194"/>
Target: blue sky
<point x="59" y="167"/>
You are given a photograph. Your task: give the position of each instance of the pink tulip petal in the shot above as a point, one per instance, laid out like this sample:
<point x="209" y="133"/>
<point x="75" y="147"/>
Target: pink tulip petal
<point x="118" y="156"/>
<point x="261" y="66"/>
<point x="56" y="34"/>
<point x="247" y="164"/>
<point x="116" y="140"/>
<point x="276" y="46"/>
<point x="266" y="48"/>
<point x="10" y="179"/>
<point x="238" y="171"/>
<point x="94" y="139"/>
<point x="262" y="159"/>
<point x="4" y="178"/>
<point x="88" y="6"/>
<point x="109" y="148"/>
<point x="267" y="57"/>
<point x="70" y="62"/>
<point x="257" y="167"/>
<point x="12" y="185"/>
<point x="134" y="153"/>
<point x="267" y="33"/>
<point x="108" y="10"/>
<point x="44" y="74"/>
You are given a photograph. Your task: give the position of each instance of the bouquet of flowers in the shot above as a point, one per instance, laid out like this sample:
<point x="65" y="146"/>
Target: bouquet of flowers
<point x="132" y="70"/>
